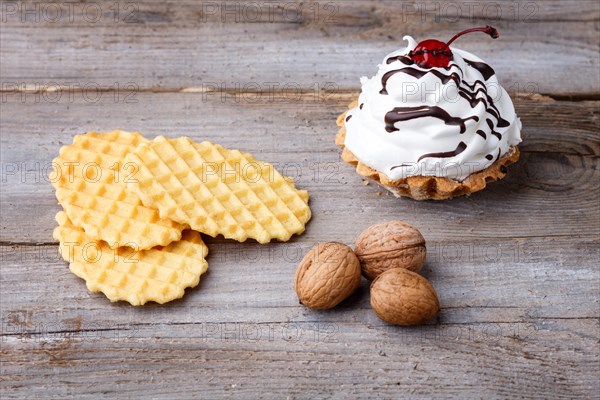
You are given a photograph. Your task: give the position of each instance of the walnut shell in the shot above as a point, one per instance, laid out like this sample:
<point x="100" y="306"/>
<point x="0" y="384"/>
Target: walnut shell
<point x="393" y="244"/>
<point x="403" y="297"/>
<point x="328" y="274"/>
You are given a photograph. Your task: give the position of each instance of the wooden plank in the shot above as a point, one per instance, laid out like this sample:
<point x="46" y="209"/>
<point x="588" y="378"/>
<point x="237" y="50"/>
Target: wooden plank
<point x="478" y="280"/>
<point x="523" y="321"/>
<point x="167" y="48"/>
<point x="554" y="359"/>
<point x="551" y="191"/>
<point x="298" y="12"/>
<point x="514" y="266"/>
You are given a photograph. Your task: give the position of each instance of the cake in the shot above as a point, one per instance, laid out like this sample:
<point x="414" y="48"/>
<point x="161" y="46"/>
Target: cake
<point x="433" y="123"/>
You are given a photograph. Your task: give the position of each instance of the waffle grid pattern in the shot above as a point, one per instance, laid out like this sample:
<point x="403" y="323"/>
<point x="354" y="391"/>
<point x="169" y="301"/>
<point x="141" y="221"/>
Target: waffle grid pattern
<point x="160" y="274"/>
<point x="90" y="182"/>
<point x="218" y="191"/>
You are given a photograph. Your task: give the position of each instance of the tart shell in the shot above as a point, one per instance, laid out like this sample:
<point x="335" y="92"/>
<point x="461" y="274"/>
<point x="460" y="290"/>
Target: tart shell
<point x="427" y="187"/>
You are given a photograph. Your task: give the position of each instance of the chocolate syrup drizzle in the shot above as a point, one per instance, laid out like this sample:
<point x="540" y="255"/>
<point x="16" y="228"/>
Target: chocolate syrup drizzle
<point x="459" y="149"/>
<point x="419" y="74"/>
<point x="400" y="166"/>
<point x="471" y="96"/>
<point x="407" y="113"/>
<point x="469" y="92"/>
<point x="491" y="125"/>
<point x="485" y="70"/>
<point x="498" y="156"/>
<point x="403" y="59"/>
<point x="491" y="157"/>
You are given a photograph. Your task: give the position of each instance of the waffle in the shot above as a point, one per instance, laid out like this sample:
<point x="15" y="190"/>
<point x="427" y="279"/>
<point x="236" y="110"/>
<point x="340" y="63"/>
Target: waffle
<point x="160" y="274"/>
<point x="90" y="181"/>
<point x="218" y="191"/>
<point x="427" y="187"/>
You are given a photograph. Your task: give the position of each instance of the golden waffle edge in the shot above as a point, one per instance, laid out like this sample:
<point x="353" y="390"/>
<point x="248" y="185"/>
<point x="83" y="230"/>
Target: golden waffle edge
<point x="90" y="181"/>
<point x="216" y="191"/>
<point x="160" y="274"/>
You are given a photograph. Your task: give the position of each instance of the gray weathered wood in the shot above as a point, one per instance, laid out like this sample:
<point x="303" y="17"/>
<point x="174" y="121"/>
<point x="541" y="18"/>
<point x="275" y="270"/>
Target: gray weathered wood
<point x="515" y="266"/>
<point x="548" y="47"/>
<point x="558" y="168"/>
<point x="524" y="312"/>
<point x="500" y="360"/>
<point x="468" y="273"/>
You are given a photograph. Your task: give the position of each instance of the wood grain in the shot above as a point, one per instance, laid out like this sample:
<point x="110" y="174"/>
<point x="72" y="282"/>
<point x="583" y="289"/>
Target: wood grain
<point x="514" y="282"/>
<point x="498" y="359"/>
<point x="530" y="309"/>
<point x="466" y="272"/>
<point x="559" y="166"/>
<point x="515" y="266"/>
<point x="172" y="47"/>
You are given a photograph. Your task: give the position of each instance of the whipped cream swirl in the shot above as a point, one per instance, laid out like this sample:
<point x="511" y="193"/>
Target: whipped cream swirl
<point x="448" y="122"/>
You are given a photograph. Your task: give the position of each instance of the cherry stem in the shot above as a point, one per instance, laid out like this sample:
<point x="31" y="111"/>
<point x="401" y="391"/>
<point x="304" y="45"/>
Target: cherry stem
<point x="487" y="29"/>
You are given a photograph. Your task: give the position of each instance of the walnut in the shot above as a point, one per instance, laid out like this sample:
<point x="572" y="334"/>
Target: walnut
<point x="393" y="244"/>
<point x="402" y="297"/>
<point x="328" y="274"/>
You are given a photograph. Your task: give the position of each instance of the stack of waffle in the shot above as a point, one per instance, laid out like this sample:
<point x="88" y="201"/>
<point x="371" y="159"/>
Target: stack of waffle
<point x="133" y="210"/>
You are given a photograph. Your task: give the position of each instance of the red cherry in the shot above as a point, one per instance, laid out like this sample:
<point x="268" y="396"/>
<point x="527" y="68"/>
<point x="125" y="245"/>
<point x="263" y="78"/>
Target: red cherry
<point x="432" y="53"/>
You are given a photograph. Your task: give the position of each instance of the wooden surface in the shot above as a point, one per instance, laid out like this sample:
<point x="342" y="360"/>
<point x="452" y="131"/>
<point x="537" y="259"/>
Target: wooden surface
<point x="515" y="266"/>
